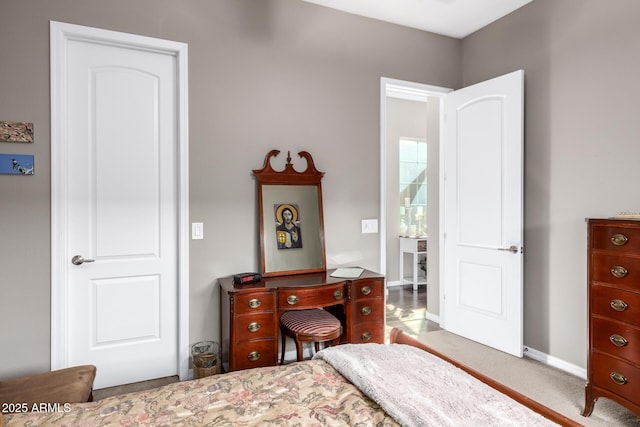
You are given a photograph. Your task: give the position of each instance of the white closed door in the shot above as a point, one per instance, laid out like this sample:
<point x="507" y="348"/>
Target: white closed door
<point x="483" y="213"/>
<point x="121" y="249"/>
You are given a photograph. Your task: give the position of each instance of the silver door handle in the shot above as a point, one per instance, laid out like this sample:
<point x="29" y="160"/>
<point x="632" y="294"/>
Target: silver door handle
<point x="78" y="260"/>
<point x="513" y="249"/>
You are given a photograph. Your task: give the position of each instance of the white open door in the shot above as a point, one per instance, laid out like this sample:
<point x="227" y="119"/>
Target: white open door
<point x="483" y="213"/>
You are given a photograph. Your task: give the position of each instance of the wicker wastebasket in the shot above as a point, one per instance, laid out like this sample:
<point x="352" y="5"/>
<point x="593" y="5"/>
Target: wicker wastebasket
<point x="206" y="359"/>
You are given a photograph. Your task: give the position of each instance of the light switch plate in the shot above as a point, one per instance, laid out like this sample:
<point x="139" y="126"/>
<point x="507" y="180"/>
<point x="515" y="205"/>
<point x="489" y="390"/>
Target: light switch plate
<point x="197" y="231"/>
<point x="369" y="226"/>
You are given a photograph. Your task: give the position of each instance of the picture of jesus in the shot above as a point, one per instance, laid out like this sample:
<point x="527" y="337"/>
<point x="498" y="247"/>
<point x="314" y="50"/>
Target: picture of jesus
<point x="287" y="226"/>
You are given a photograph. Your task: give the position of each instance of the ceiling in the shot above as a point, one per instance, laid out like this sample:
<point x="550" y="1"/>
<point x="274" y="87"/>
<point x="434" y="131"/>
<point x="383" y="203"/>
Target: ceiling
<point x="453" y="18"/>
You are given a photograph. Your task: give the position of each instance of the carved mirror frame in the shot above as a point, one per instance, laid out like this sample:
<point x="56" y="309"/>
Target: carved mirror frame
<point x="295" y="246"/>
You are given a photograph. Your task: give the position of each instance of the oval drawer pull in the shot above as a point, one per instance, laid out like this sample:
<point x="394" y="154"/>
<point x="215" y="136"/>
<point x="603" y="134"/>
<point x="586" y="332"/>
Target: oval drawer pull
<point x="366" y="336"/>
<point x="337" y="294"/>
<point x="618" y="340"/>
<point x="292" y="300"/>
<point x="619" y="239"/>
<point x="618" y="305"/>
<point x="253" y="356"/>
<point x="366" y="310"/>
<point x="619" y="271"/>
<point x="618" y="378"/>
<point x="253" y="327"/>
<point x="366" y="290"/>
<point x="254" y="303"/>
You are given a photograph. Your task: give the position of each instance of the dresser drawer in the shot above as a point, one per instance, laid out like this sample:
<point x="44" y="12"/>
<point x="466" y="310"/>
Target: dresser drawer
<point x="616" y="238"/>
<point x="616" y="338"/>
<point x="366" y="332"/>
<point x="254" y="353"/>
<point x="367" y="288"/>
<point x="617" y="270"/>
<point x="252" y="302"/>
<point x="368" y="310"/>
<point x="254" y="326"/>
<point x="616" y="304"/>
<point x="322" y="296"/>
<point x="627" y="377"/>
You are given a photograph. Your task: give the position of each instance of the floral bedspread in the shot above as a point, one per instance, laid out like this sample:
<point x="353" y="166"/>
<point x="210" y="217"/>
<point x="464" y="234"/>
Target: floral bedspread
<point x="309" y="393"/>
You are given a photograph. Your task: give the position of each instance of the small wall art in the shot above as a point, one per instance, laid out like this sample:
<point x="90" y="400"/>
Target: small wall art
<point x="16" y="164"/>
<point x="16" y="131"/>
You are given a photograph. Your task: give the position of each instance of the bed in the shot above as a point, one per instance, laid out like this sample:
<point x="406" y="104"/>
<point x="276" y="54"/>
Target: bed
<point x="402" y="383"/>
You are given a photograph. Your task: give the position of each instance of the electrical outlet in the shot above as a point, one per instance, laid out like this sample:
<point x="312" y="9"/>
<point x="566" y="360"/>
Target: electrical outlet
<point x="369" y="226"/>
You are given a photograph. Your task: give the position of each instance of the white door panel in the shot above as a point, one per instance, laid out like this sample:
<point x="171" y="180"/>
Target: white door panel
<point x="121" y="121"/>
<point x="483" y="212"/>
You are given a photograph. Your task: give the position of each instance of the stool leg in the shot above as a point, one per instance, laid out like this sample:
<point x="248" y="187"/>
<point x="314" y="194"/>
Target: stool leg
<point x="299" y="350"/>
<point x="283" y="337"/>
<point x="317" y="346"/>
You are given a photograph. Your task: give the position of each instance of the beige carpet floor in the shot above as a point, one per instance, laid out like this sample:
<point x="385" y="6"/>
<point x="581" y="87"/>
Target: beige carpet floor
<point x="556" y="389"/>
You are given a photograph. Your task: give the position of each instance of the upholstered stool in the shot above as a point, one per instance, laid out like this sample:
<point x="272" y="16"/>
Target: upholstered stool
<point x="314" y="325"/>
<point x="69" y="385"/>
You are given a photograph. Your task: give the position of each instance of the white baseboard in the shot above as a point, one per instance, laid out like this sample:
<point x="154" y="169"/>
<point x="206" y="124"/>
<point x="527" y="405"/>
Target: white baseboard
<point x="563" y="365"/>
<point x="394" y="283"/>
<point x="433" y="317"/>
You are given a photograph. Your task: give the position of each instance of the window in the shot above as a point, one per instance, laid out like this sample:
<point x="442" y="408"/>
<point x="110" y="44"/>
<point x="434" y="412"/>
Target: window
<point x="413" y="187"/>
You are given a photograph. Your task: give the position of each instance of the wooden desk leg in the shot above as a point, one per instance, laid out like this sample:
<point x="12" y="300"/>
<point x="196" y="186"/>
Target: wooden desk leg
<point x="401" y="267"/>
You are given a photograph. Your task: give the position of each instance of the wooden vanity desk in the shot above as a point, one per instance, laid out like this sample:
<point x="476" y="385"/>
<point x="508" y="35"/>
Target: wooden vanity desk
<point x="250" y="313"/>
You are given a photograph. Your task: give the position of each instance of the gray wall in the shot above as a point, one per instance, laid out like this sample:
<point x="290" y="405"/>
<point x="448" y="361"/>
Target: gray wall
<point x="581" y="154"/>
<point x="263" y="74"/>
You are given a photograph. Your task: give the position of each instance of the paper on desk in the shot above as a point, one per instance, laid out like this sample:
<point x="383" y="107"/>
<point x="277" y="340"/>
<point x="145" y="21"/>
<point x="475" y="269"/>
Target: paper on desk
<point x="347" y="272"/>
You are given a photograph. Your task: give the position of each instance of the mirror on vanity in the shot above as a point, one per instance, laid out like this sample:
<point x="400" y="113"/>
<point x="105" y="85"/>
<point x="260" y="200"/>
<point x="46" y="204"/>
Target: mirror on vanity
<point x="291" y="219"/>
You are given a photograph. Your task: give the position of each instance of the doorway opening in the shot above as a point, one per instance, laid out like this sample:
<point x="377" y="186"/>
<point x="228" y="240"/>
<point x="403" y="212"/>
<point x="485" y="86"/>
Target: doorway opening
<point x="411" y="120"/>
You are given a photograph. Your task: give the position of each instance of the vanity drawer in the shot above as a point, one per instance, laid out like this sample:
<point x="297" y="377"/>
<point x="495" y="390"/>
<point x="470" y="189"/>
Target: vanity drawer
<point x="254" y="326"/>
<point x="367" y="288"/>
<point x="616" y="238"/>
<point x="616" y="376"/>
<point x="618" y="270"/>
<point x="254" y="354"/>
<point x="299" y="298"/>
<point x="252" y="302"/>
<point x="616" y="304"/>
<point x="615" y="338"/>
<point x="368" y="332"/>
<point x="369" y="309"/>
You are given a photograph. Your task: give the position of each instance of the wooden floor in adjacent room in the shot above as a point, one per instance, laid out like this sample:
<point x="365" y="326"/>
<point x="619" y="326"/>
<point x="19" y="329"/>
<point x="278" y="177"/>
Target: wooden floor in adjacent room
<point x="406" y="310"/>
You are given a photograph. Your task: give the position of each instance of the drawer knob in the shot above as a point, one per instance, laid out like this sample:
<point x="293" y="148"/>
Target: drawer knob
<point x="618" y="340"/>
<point x="253" y="327"/>
<point x="618" y="305"/>
<point x="366" y="310"/>
<point x="337" y="294"/>
<point x="366" y="290"/>
<point x="254" y="303"/>
<point x="253" y="356"/>
<point x="618" y="378"/>
<point x="292" y="300"/>
<point x="619" y="239"/>
<point x="366" y="336"/>
<point x="619" y="271"/>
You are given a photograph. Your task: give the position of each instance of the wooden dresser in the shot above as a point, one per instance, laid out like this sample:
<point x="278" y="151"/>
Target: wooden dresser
<point x="250" y="313"/>
<point x="613" y="366"/>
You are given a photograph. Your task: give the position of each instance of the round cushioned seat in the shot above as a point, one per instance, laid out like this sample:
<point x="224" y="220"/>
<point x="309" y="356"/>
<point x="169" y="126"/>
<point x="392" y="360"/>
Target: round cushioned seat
<point x="313" y="325"/>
